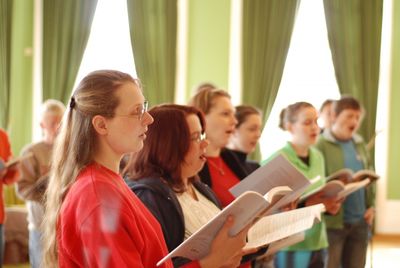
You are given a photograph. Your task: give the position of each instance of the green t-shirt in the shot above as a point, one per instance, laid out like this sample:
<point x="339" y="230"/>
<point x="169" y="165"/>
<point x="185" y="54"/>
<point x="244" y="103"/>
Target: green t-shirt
<point x="316" y="237"/>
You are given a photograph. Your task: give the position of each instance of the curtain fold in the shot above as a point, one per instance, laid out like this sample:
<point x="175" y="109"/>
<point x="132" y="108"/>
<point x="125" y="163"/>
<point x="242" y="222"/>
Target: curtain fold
<point x="5" y="62"/>
<point x="354" y="32"/>
<point x="267" y="30"/>
<point x="66" y="29"/>
<point x="153" y="30"/>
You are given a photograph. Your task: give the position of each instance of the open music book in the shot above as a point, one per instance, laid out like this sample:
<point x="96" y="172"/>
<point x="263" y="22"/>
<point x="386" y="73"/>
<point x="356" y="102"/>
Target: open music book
<point x="260" y="194"/>
<point x="277" y="172"/>
<point x="247" y="209"/>
<point x="278" y="226"/>
<point x="14" y="161"/>
<point x="274" y="247"/>
<point x="337" y="188"/>
<point x="347" y="175"/>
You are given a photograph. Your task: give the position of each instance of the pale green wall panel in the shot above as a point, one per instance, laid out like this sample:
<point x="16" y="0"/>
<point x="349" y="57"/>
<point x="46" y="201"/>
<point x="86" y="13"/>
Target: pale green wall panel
<point x="394" y="130"/>
<point x="21" y="74"/>
<point x="208" y="42"/>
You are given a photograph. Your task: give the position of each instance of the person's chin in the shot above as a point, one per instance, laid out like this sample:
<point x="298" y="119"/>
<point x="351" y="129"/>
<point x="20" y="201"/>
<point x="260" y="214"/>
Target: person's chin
<point x="224" y="143"/>
<point x="349" y="135"/>
<point x="198" y="167"/>
<point x="138" y="146"/>
<point x="250" y="149"/>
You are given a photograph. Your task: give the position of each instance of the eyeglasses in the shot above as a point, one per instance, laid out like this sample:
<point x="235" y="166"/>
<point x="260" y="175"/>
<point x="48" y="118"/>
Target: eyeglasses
<point x="198" y="137"/>
<point x="140" y="110"/>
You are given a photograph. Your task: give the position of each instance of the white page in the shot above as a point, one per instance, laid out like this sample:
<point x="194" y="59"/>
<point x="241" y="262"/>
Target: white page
<point x="352" y="187"/>
<point x="278" y="172"/>
<point x="274" y="247"/>
<point x="272" y="228"/>
<point x="330" y="189"/>
<point x="245" y="210"/>
<point x="277" y="193"/>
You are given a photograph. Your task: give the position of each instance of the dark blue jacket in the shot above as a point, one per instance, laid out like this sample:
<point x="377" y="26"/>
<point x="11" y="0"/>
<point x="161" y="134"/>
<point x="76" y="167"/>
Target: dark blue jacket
<point x="163" y="203"/>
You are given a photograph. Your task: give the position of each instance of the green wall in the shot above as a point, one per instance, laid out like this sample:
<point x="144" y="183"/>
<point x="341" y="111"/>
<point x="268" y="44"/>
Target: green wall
<point x="394" y="129"/>
<point x="208" y="42"/>
<point x="21" y="75"/>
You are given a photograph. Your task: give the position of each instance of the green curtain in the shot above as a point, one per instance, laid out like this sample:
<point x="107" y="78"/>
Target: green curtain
<point x="267" y="30"/>
<point x="66" y="29"/>
<point x="153" y="30"/>
<point x="354" y="32"/>
<point x="5" y="64"/>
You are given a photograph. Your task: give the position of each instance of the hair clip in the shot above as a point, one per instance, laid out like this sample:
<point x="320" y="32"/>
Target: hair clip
<point x="72" y="103"/>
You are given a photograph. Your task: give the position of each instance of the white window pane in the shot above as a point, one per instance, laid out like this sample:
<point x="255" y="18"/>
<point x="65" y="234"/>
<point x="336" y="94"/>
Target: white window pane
<point x="308" y="76"/>
<point x="109" y="44"/>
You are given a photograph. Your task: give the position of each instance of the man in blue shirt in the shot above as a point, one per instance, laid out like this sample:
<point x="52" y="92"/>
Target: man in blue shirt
<point x="343" y="148"/>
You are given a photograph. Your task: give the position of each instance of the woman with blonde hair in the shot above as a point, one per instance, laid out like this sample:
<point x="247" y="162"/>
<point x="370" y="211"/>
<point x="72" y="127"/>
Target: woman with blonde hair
<point x="222" y="169"/>
<point x="92" y="218"/>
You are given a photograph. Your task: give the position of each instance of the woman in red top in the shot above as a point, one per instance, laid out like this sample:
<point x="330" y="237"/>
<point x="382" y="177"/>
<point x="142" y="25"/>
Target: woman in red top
<point x="92" y="218"/>
<point x="223" y="169"/>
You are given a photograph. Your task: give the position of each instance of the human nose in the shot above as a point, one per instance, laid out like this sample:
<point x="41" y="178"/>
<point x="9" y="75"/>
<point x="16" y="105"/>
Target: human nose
<point x="204" y="143"/>
<point x="234" y="120"/>
<point x="147" y="119"/>
<point x="316" y="126"/>
<point x="356" y="120"/>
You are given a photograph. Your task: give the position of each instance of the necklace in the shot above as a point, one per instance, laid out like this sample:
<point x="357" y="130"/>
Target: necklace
<point x="190" y="190"/>
<point x="217" y="166"/>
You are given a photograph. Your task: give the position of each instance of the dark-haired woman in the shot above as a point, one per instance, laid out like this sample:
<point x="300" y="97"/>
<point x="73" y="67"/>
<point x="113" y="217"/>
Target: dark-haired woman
<point x="163" y="176"/>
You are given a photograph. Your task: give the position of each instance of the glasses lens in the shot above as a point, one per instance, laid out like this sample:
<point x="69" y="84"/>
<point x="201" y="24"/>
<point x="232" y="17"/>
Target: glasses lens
<point x="202" y="137"/>
<point x="143" y="109"/>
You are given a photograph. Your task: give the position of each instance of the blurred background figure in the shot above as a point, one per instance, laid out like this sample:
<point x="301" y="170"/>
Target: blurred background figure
<point x="223" y="168"/>
<point x="300" y="120"/>
<point x="204" y="85"/>
<point x="32" y="185"/>
<point x="245" y="137"/>
<point x="7" y="176"/>
<point x="342" y="148"/>
<point x="325" y="114"/>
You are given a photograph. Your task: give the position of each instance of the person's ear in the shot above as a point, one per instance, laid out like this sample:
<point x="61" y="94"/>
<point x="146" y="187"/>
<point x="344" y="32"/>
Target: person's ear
<point x="100" y="125"/>
<point x="289" y="127"/>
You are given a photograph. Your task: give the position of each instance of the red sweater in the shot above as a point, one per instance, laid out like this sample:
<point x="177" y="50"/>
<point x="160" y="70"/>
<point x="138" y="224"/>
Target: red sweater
<point x="222" y="178"/>
<point x="11" y="175"/>
<point x="103" y="224"/>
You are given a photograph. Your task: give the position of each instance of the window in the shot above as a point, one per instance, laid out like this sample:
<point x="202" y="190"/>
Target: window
<point x="109" y="45"/>
<point x="308" y="76"/>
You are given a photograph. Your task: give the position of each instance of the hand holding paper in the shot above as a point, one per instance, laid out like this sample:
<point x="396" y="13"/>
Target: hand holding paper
<point x="13" y="162"/>
<point x="233" y="247"/>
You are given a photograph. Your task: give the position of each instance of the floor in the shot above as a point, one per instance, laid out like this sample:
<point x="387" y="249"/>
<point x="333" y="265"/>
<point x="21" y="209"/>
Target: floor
<point x="385" y="253"/>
